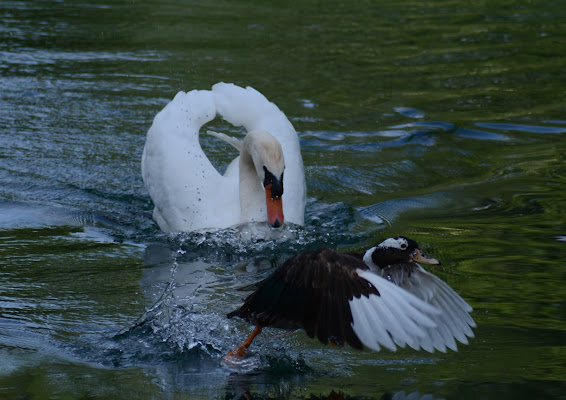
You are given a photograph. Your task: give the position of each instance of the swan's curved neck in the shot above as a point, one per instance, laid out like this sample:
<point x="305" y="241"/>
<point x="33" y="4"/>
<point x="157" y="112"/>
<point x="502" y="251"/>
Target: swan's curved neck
<point x="252" y="193"/>
<point x="260" y="153"/>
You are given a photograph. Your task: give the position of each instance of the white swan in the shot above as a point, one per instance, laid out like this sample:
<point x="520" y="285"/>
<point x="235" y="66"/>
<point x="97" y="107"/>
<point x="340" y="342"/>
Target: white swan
<point x="189" y="194"/>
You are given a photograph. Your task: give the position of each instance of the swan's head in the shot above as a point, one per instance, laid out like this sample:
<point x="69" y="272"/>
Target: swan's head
<point x="269" y="162"/>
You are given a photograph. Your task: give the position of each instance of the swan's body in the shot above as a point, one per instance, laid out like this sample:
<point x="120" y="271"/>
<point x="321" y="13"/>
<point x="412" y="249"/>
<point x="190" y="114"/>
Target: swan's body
<point x="189" y="194"/>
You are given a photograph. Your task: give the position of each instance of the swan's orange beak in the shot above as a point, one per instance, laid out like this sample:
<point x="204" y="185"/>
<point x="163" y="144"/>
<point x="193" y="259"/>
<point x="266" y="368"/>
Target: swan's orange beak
<point x="274" y="208"/>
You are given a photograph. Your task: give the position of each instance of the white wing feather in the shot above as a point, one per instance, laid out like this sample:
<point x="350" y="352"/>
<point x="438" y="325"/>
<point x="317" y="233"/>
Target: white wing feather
<point x="454" y="321"/>
<point x="394" y="318"/>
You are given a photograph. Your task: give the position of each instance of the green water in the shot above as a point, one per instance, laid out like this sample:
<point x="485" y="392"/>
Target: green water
<point x="442" y="120"/>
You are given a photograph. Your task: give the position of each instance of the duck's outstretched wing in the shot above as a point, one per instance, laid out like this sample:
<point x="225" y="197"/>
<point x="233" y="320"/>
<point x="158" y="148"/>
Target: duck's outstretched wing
<point x="454" y="321"/>
<point x="334" y="298"/>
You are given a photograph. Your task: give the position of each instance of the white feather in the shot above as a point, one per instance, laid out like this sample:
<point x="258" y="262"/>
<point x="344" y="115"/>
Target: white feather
<point x="372" y="316"/>
<point x="363" y="328"/>
<point x="454" y="321"/>
<point x="379" y="335"/>
<point x="394" y="243"/>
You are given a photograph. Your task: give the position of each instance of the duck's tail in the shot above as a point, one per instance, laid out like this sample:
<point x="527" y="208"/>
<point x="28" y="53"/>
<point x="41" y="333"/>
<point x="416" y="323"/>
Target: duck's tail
<point x="228" y="139"/>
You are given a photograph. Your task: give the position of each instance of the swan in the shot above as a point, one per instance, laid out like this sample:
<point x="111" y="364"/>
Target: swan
<point x="265" y="182"/>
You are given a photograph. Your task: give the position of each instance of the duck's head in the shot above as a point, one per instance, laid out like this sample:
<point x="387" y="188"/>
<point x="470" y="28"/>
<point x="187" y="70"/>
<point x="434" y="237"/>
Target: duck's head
<point x="269" y="162"/>
<point x="397" y="250"/>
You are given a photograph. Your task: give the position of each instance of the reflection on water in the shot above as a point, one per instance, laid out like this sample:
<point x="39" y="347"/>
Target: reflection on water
<point x="442" y="122"/>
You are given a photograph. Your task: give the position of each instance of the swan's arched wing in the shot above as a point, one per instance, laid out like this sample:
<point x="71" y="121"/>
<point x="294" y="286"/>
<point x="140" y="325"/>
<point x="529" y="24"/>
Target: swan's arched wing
<point x="250" y="109"/>
<point x="333" y="298"/>
<point x="188" y="192"/>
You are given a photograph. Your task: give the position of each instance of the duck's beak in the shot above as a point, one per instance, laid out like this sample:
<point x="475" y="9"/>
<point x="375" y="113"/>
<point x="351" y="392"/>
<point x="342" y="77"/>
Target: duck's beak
<point x="420" y="257"/>
<point x="274" y="204"/>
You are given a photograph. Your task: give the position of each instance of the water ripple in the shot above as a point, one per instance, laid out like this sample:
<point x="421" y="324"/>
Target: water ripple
<point x="479" y="134"/>
<point x="521" y="127"/>
<point x="51" y="57"/>
<point x="388" y="211"/>
<point x="410" y="112"/>
<point x="432" y="125"/>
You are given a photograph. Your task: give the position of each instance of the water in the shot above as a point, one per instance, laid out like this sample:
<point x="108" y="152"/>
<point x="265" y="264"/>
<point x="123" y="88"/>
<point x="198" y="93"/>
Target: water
<point x="442" y="121"/>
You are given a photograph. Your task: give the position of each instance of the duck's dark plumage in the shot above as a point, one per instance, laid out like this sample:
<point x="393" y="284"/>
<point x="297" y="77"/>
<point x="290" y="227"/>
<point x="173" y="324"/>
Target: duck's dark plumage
<point x="310" y="291"/>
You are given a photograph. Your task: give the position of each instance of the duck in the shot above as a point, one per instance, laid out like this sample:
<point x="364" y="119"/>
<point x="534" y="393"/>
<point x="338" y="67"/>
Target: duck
<point x="265" y="182"/>
<point x="380" y="298"/>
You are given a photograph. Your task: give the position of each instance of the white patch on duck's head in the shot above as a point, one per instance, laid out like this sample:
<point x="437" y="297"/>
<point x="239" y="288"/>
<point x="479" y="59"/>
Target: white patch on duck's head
<point x="394" y="243"/>
<point x="367" y="258"/>
<point x="390" y="251"/>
